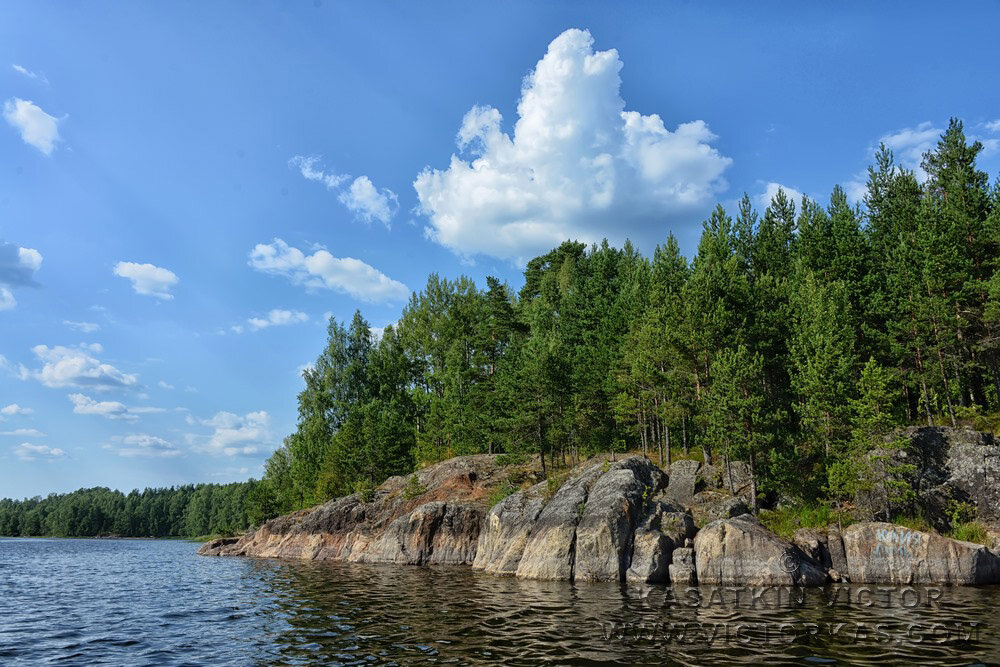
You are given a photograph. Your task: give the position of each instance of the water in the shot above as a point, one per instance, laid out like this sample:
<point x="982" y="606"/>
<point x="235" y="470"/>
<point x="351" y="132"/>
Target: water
<point x="142" y="602"/>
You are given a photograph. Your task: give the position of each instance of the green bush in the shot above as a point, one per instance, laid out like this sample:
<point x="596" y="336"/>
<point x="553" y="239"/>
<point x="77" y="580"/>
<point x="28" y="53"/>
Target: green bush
<point x="784" y="521"/>
<point x="501" y="492"/>
<point x="364" y="489"/>
<point x="413" y="488"/>
<point x="511" y="459"/>
<point x="970" y="531"/>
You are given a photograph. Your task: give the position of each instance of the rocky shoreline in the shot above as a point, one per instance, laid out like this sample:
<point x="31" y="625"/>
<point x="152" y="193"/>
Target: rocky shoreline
<point x="611" y="521"/>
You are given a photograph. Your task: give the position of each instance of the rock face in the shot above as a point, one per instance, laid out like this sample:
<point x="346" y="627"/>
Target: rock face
<point x="742" y="551"/>
<point x="506" y="530"/>
<point x="615" y="522"/>
<point x="951" y="465"/>
<point x="610" y="516"/>
<point x="441" y="525"/>
<point x="683" y="481"/>
<point x="884" y="553"/>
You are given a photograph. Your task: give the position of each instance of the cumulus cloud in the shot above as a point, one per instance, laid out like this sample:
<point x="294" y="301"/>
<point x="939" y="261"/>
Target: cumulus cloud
<point x="29" y="452"/>
<point x="993" y="125"/>
<point x="277" y="318"/>
<point x="12" y="409"/>
<point x="77" y="367"/>
<point x="577" y="165"/>
<point x="368" y="202"/>
<point x="771" y="189"/>
<point x="83" y="327"/>
<point x="321" y="269"/>
<point x="84" y="405"/>
<point x="148" y="279"/>
<point x="361" y="197"/>
<point x="37" y="128"/>
<point x="143" y="444"/>
<point x="28" y="73"/>
<point x="165" y="385"/>
<point x="233" y="434"/>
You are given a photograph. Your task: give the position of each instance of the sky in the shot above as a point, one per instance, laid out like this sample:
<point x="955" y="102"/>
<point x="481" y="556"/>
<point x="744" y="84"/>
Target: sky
<point x="190" y="190"/>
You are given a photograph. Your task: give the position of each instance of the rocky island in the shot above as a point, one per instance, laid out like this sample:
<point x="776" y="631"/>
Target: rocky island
<point x="630" y="520"/>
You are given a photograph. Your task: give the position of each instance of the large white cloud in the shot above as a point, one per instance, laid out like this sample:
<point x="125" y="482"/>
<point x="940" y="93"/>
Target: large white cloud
<point x="321" y="269"/>
<point x="234" y="434"/>
<point x="148" y="279"/>
<point x="77" y="367"/>
<point x="361" y="197"/>
<point x="578" y="165"/>
<point x="37" y="128"/>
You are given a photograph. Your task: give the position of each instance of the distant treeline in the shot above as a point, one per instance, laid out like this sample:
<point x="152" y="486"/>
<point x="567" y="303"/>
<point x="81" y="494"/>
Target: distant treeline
<point x="184" y="511"/>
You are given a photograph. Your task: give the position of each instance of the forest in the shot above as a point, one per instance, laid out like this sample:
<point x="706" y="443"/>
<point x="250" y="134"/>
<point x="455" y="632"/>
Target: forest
<point x="185" y="511"/>
<point x="796" y="341"/>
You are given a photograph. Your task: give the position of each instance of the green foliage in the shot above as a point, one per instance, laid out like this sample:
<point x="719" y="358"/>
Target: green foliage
<point x="785" y="520"/>
<point x="500" y="492"/>
<point x="184" y="511"/>
<point x="969" y="531"/>
<point x="514" y="459"/>
<point x="913" y="522"/>
<point x="413" y="488"/>
<point x="752" y="351"/>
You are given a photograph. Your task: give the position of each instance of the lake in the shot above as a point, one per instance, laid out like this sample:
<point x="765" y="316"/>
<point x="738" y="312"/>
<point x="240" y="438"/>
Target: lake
<point x="155" y="602"/>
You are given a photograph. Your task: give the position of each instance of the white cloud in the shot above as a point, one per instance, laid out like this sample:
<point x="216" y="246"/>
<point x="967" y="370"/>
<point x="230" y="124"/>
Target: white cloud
<point x="143" y="444"/>
<point x="856" y="190"/>
<point x="17" y="269"/>
<point x="28" y="73"/>
<point x="84" y="405"/>
<point x="368" y="202"/>
<point x="165" y="385"/>
<point x="84" y="327"/>
<point x="577" y="165"/>
<point x="909" y="144"/>
<point x="77" y="367"/>
<point x="993" y="125"/>
<point x="307" y="167"/>
<point x="24" y="433"/>
<point x="771" y="189"/>
<point x="233" y="435"/>
<point x="14" y="409"/>
<point x="37" y="128"/>
<point x="7" y="300"/>
<point x="148" y="279"/>
<point x="29" y="452"/>
<point x="277" y="318"/>
<point x="321" y="269"/>
<point x="361" y="198"/>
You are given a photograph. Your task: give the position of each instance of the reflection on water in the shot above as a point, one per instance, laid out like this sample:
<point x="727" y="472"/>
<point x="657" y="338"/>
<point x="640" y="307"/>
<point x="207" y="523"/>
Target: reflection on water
<point x="155" y="602"/>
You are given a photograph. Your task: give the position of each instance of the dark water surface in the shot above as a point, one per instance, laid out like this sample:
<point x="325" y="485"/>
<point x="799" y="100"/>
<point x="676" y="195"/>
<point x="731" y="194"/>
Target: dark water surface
<point x="140" y="602"/>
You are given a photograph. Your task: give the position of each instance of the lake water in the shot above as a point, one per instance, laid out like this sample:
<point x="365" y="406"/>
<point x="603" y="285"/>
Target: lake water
<point x="141" y="602"/>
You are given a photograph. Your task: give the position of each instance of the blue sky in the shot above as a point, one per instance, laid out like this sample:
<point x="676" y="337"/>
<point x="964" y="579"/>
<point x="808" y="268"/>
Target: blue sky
<point x="187" y="190"/>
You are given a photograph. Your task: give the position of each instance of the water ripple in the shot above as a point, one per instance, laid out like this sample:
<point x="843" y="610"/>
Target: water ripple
<point x="82" y="602"/>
